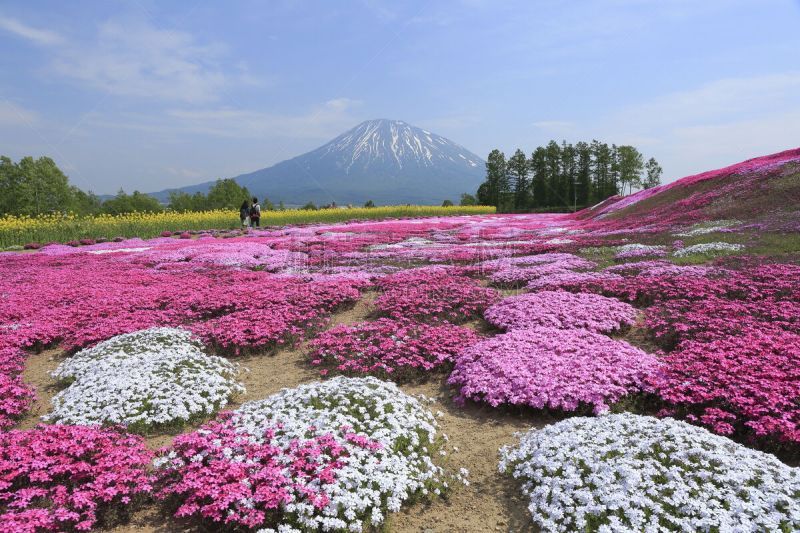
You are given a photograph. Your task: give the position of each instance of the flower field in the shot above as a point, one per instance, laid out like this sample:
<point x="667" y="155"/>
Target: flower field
<point x="634" y="367"/>
<point x="19" y="231"/>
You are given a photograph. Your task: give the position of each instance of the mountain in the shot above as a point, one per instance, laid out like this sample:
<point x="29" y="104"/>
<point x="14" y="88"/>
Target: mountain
<point x="387" y="161"/>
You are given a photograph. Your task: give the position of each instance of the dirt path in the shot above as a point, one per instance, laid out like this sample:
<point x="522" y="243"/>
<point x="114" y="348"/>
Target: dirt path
<point x="490" y="503"/>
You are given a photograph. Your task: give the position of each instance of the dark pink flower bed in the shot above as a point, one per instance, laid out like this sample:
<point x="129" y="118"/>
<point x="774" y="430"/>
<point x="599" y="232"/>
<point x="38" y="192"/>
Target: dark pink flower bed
<point x="234" y="468"/>
<point x="57" y="478"/>
<point x="389" y="347"/>
<point x="434" y="293"/>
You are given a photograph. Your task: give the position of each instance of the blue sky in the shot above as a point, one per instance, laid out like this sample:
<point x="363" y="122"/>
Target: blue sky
<point x="147" y="95"/>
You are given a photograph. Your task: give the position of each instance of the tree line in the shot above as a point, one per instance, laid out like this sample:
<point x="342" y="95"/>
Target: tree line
<point x="35" y="187"/>
<point x="564" y="176"/>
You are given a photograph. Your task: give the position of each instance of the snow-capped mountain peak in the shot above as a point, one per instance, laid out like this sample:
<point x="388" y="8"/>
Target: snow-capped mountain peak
<point x="397" y="144"/>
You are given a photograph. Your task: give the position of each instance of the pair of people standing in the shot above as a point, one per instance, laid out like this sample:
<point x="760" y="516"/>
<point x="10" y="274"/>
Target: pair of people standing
<point x="250" y="214"/>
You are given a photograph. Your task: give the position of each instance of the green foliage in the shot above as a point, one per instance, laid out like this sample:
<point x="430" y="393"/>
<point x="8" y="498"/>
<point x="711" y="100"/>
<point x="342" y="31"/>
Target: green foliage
<point x="37" y="186"/>
<point x="653" y="177"/>
<point x="310" y="206"/>
<point x="131" y="203"/>
<point x="563" y="176"/>
<point x="369" y="203"/>
<point x="468" y="199"/>
<point x="447" y="203"/>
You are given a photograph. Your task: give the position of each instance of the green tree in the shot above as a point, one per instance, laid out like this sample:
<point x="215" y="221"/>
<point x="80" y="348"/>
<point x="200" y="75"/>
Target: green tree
<point x="654" y="172"/>
<point x="569" y="171"/>
<point x="447" y="203"/>
<point x="518" y="171"/>
<point x="468" y="199"/>
<point x="583" y="178"/>
<point x="227" y="194"/>
<point x="369" y="203"/>
<point x="85" y="203"/>
<point x="630" y="164"/>
<point x="538" y="166"/>
<point x="131" y="203"/>
<point x="554" y="194"/>
<point x="43" y="188"/>
<point x="310" y="206"/>
<point x="493" y="189"/>
<point x="183" y="201"/>
<point x="10" y="186"/>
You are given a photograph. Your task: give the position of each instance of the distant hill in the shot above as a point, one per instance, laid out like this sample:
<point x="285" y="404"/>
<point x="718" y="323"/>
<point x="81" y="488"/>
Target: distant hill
<point x="387" y="161"/>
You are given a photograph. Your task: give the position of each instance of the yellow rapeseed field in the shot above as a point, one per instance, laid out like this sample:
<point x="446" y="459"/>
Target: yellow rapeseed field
<point x="62" y="228"/>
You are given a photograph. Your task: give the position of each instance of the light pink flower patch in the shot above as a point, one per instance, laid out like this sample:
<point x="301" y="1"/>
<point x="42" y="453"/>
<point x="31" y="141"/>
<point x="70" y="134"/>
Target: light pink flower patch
<point x="551" y="368"/>
<point x="563" y="310"/>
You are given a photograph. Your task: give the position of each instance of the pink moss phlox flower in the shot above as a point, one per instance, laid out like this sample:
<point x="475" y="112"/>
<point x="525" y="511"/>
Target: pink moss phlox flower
<point x="389" y="347"/>
<point x="56" y="478"/>
<point x="552" y="368"/>
<point x="433" y="293"/>
<point x="563" y="310"/>
<point x="224" y="476"/>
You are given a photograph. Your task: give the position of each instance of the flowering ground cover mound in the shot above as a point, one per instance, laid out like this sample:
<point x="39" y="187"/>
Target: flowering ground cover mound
<point x="334" y="455"/>
<point x="58" y="478"/>
<point x="433" y="293"/>
<point x="561" y="309"/>
<point x="546" y="367"/>
<point x="388" y="347"/>
<point x="148" y="378"/>
<point x="633" y="473"/>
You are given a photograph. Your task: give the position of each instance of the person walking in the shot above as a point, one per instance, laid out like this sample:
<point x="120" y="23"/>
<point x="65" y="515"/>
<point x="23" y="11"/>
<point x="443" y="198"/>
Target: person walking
<point x="244" y="214"/>
<point x="255" y="213"/>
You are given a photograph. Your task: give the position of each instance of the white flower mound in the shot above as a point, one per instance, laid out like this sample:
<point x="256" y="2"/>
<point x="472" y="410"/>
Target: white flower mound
<point x="636" y="473"/>
<point x="371" y="481"/>
<point x="151" y="377"/>
<point x="708" y="248"/>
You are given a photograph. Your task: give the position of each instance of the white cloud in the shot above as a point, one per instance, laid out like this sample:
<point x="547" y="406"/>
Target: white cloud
<point x="715" y="124"/>
<point x="320" y="122"/>
<point x="35" y="35"/>
<point x="137" y="59"/>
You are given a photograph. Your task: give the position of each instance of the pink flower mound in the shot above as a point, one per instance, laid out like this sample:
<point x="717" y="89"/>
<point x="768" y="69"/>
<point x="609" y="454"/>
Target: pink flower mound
<point x="389" y="347"/>
<point x="433" y="294"/>
<point x="551" y="368"/>
<point x="517" y="275"/>
<point x="56" y="478"/>
<point x="241" y="482"/>
<point x="563" y="310"/>
<point x="750" y="379"/>
<point x="574" y="281"/>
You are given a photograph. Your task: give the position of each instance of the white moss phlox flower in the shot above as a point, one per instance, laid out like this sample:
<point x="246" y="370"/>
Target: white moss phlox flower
<point x="632" y="473"/>
<point x="150" y="377"/>
<point x="708" y="248"/>
<point x="370" y="480"/>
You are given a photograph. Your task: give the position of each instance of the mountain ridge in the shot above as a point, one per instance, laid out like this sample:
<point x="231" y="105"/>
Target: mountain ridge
<point x="384" y="160"/>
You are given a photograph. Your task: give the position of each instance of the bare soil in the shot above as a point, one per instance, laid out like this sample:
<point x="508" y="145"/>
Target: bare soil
<point x="491" y="502"/>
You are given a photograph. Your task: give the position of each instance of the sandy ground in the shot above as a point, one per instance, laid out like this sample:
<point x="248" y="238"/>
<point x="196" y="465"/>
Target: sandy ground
<point x="491" y="502"/>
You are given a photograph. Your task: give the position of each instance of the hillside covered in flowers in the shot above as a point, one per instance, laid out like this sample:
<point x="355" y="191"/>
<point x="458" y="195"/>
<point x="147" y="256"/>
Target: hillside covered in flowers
<point x="342" y="377"/>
